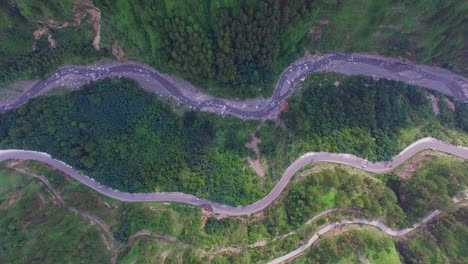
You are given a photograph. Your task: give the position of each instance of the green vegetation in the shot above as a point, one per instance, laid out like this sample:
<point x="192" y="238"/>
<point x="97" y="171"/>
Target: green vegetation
<point x="58" y="10"/>
<point x="353" y="246"/>
<point x="431" y="32"/>
<point x="37" y="64"/>
<point x="128" y="139"/>
<point x="361" y="115"/>
<point x="15" y="36"/>
<point x="431" y="187"/>
<point x="335" y="188"/>
<point x="442" y="241"/>
<point x="33" y="228"/>
<point x="237" y="48"/>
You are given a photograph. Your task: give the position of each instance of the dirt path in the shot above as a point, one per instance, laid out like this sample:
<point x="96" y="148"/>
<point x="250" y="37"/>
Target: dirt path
<point x="108" y="238"/>
<point x="255" y="163"/>
<point x="435" y="103"/>
<point x="43" y="32"/>
<point x="147" y="233"/>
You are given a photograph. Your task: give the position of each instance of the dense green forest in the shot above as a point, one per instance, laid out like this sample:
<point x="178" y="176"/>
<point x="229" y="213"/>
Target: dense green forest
<point x="372" y="111"/>
<point x="134" y="141"/>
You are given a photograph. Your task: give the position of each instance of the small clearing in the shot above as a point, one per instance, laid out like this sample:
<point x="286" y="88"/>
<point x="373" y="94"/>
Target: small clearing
<point x="255" y="163"/>
<point x="315" y="33"/>
<point x="260" y="243"/>
<point x="315" y="169"/>
<point x="148" y="233"/>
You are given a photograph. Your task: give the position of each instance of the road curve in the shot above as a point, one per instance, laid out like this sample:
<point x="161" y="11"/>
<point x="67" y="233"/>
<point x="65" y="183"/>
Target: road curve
<point x="330" y="226"/>
<point x="228" y="210"/>
<point x="350" y="64"/>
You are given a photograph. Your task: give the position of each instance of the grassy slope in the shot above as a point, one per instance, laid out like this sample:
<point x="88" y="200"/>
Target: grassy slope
<point x="430" y="32"/>
<point x="441" y="241"/>
<point x="355" y="245"/>
<point x="29" y="218"/>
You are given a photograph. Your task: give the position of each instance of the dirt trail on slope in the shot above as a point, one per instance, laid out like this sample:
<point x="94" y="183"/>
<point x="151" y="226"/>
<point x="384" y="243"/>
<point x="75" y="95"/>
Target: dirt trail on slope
<point x="255" y="163"/>
<point x="435" y="103"/>
<point x="106" y="236"/>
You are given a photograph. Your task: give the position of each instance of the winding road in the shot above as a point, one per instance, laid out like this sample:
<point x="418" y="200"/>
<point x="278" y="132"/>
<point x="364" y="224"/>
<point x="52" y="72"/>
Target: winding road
<point x="330" y="226"/>
<point x="228" y="210"/>
<point x="432" y="78"/>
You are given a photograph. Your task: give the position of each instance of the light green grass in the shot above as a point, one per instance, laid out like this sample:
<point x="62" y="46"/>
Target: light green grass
<point x="33" y="228"/>
<point x="8" y="179"/>
<point x="431" y="32"/>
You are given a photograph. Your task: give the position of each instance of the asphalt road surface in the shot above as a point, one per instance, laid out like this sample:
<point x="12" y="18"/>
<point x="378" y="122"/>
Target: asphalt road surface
<point x="306" y="159"/>
<point x="433" y="78"/>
